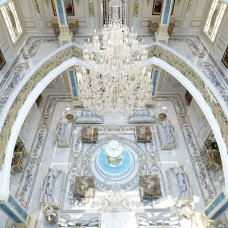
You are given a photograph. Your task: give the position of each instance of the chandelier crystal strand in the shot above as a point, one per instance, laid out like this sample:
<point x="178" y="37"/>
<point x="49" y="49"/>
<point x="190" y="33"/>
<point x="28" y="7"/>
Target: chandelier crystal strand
<point x="116" y="80"/>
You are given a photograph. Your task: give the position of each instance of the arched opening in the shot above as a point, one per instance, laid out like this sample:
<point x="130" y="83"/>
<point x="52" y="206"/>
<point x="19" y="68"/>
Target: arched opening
<point x="5" y="172"/>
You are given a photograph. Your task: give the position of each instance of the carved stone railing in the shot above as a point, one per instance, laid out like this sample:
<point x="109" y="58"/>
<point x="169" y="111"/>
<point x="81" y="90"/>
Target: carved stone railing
<point x="72" y="51"/>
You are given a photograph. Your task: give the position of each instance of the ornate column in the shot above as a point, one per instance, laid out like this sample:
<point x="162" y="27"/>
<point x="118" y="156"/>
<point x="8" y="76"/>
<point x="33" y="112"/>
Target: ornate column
<point x="92" y="23"/>
<point x="162" y="33"/>
<point x="217" y="206"/>
<point x="155" y="79"/>
<point x="72" y="78"/>
<point x="73" y="82"/>
<point x="65" y="35"/>
<point x="154" y="85"/>
<point x="135" y="21"/>
<point x="18" y="214"/>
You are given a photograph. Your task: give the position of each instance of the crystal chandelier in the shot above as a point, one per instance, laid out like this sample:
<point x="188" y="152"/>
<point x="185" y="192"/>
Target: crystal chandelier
<point x="116" y="80"/>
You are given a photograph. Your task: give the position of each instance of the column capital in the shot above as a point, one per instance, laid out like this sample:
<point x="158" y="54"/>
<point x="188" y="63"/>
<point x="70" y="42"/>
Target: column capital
<point x="162" y="33"/>
<point x="65" y="35"/>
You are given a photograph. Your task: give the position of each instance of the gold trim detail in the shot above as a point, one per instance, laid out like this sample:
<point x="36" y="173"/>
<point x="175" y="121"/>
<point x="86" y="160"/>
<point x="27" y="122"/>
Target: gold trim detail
<point x="72" y="51"/>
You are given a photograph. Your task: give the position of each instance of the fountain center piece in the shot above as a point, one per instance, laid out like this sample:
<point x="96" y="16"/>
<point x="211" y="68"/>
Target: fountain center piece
<point x="114" y="153"/>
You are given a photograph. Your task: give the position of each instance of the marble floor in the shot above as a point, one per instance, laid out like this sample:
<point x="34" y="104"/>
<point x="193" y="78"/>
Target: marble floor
<point x="115" y="205"/>
<point x="26" y="186"/>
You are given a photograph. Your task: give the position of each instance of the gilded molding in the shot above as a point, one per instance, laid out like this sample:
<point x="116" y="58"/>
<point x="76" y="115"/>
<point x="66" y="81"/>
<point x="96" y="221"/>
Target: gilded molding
<point x="28" y="87"/>
<point x="72" y="51"/>
<point x="187" y="71"/>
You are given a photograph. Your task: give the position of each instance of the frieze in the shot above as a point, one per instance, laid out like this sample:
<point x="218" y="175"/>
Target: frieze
<point x="193" y="45"/>
<point x="18" y="75"/>
<point x="72" y="51"/>
<point x="32" y="49"/>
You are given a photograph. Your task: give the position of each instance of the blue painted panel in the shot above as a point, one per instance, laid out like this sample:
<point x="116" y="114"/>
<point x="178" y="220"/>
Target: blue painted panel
<point x="17" y="207"/>
<point x="10" y="213"/>
<point x="220" y="211"/>
<point x="61" y="12"/>
<point x="154" y="82"/>
<point x="166" y="12"/>
<point x="215" y="203"/>
<point x="3" y="1"/>
<point x="73" y="83"/>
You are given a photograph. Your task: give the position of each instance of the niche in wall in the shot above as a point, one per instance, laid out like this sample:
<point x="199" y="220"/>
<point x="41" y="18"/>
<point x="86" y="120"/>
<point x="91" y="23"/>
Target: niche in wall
<point x="2" y="60"/>
<point x="225" y="57"/>
<point x="69" y="6"/>
<point x="157" y="7"/>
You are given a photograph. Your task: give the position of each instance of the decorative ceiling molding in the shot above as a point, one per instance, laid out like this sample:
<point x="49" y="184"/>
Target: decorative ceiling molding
<point x="73" y="51"/>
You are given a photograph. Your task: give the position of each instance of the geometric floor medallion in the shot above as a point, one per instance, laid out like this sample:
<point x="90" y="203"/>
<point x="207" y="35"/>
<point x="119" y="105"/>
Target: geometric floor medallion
<point x="123" y="177"/>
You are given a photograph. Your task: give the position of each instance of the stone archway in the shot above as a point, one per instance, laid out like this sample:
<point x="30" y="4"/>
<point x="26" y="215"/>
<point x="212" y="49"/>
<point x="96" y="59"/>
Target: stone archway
<point x="69" y="55"/>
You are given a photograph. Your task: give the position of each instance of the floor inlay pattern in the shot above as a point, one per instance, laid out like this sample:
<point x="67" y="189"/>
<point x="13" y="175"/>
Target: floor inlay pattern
<point x="32" y="165"/>
<point x="207" y="189"/>
<point x="203" y="176"/>
<point x="127" y="178"/>
<point x="82" y="155"/>
<point x="118" y="193"/>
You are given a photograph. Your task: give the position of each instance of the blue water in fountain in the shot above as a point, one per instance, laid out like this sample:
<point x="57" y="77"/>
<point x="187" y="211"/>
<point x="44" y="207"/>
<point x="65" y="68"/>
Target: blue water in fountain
<point x="124" y="166"/>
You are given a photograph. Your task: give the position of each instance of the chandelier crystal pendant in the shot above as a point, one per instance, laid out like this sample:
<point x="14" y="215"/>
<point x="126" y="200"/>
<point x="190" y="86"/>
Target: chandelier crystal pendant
<point x="116" y="80"/>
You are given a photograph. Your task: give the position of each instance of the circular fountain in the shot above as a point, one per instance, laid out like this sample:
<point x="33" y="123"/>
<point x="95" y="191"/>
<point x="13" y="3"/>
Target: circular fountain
<point x="114" y="162"/>
<point x="114" y="153"/>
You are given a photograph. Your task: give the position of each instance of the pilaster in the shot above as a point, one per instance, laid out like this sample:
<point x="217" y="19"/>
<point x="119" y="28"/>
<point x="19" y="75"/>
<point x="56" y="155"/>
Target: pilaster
<point x="162" y="33"/>
<point x="155" y="79"/>
<point x="73" y="82"/>
<point x="155" y="74"/>
<point x="72" y="78"/>
<point x="92" y="23"/>
<point x="17" y="213"/>
<point x="65" y="35"/>
<point x="217" y="206"/>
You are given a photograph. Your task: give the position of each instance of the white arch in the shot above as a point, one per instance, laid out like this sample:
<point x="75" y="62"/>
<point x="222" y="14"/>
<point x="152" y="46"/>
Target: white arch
<point x="5" y="171"/>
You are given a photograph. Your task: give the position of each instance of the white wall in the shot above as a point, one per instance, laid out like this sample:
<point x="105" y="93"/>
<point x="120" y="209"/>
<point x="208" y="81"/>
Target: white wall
<point x="8" y="48"/>
<point x="59" y="85"/>
<point x="187" y="17"/>
<point x="199" y="122"/>
<point x="4" y="42"/>
<point x="218" y="47"/>
<point x="37" y="20"/>
<point x="27" y="133"/>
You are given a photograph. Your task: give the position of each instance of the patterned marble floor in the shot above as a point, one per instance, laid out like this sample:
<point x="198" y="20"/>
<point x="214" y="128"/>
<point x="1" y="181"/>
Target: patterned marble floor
<point x="26" y="186"/>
